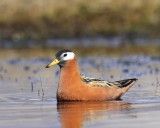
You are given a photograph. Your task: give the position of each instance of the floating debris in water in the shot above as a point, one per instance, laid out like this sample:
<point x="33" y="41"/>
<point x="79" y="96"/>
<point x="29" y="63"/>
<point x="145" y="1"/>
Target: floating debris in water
<point x="26" y="68"/>
<point x="139" y="85"/>
<point x="125" y="70"/>
<point x="57" y="73"/>
<point x="16" y="79"/>
<point x="111" y="76"/>
<point x="157" y="70"/>
<point x="31" y="86"/>
<point x="38" y="92"/>
<point x="29" y="77"/>
<point x="15" y="61"/>
<point x="35" y="71"/>
<point x="155" y="58"/>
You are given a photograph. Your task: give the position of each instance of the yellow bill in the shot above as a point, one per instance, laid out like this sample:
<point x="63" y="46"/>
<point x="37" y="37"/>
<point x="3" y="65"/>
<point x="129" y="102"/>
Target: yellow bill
<point x="54" y="62"/>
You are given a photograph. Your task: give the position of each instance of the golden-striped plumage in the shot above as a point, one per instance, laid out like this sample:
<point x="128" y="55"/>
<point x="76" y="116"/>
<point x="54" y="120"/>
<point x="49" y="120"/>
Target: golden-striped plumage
<point x="102" y="83"/>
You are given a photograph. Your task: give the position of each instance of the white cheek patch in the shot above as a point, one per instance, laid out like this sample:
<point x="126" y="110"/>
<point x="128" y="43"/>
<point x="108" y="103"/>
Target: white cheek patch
<point x="70" y="56"/>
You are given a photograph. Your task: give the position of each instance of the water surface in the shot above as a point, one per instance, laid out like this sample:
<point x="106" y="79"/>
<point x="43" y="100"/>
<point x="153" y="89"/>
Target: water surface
<point x="28" y="94"/>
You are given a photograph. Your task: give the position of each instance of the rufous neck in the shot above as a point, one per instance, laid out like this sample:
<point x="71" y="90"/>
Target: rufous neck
<point x="70" y="71"/>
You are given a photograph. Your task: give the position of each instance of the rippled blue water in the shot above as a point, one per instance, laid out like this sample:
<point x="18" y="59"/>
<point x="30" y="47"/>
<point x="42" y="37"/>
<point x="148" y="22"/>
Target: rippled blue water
<point x="28" y="91"/>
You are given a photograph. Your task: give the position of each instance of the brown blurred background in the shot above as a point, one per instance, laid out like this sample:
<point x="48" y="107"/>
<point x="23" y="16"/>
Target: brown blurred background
<point x="67" y="23"/>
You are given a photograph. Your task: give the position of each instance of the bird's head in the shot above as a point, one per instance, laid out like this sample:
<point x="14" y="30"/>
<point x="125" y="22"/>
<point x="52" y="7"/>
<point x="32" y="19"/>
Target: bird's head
<point x="62" y="57"/>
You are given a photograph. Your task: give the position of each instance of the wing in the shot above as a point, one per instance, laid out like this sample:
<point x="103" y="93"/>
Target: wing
<point x="102" y="83"/>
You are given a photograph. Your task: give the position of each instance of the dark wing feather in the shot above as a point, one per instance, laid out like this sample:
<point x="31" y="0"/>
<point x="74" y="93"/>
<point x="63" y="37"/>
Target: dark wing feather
<point x="126" y="82"/>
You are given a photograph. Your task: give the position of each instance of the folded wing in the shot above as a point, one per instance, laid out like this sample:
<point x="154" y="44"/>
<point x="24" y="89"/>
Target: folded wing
<point x="102" y="83"/>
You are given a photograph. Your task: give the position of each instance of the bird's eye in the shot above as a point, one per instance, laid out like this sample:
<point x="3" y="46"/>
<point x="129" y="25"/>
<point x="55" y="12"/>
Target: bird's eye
<point x="65" y="55"/>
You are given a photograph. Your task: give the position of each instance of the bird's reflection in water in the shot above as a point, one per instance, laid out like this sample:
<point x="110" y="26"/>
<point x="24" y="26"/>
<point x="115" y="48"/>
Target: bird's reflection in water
<point x="73" y="114"/>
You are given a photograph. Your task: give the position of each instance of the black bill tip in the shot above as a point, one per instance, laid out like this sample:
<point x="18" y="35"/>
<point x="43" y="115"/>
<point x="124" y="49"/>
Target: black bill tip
<point x="47" y="66"/>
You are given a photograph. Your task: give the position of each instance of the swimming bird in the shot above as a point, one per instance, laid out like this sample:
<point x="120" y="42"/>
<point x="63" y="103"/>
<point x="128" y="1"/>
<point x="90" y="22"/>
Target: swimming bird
<point x="73" y="86"/>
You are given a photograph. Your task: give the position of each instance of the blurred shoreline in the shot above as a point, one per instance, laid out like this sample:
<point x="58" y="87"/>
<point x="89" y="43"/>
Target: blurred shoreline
<point x="82" y="47"/>
<point x="79" y="42"/>
<point x="103" y="27"/>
